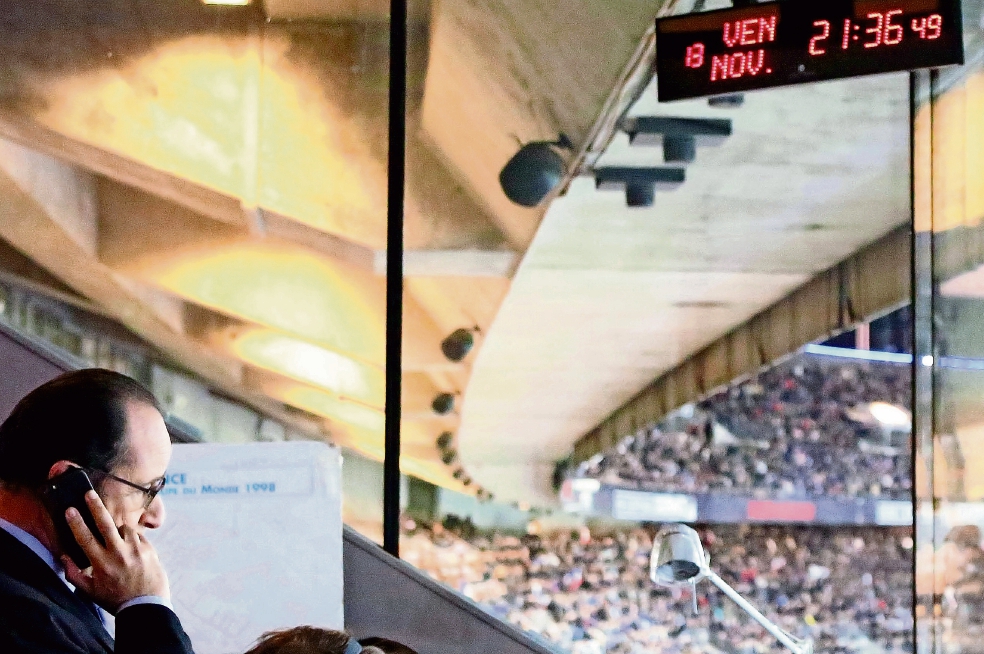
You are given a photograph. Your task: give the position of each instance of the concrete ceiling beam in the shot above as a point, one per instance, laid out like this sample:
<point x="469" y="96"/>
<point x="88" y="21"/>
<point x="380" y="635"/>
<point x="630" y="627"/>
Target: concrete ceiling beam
<point x="204" y="201"/>
<point x="507" y="72"/>
<point x="167" y="236"/>
<point x="34" y="220"/>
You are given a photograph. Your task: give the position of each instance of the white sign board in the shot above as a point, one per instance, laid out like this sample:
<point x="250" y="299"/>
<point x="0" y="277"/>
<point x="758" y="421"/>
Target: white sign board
<point x="654" y="507"/>
<point x="893" y="512"/>
<point x="252" y="540"/>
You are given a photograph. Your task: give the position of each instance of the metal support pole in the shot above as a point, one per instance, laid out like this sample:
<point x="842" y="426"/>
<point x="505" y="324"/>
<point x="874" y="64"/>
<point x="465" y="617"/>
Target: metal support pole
<point x="394" y="273"/>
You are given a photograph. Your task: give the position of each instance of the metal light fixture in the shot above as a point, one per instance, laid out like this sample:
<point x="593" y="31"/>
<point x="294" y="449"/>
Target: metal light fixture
<point x="727" y="101"/>
<point x="639" y="183"/>
<point x="678" y="560"/>
<point x="534" y="172"/>
<point x="678" y="136"/>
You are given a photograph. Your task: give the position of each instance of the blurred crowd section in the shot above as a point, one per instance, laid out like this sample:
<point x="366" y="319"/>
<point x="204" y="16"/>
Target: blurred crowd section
<point x="806" y="428"/>
<point x="589" y="593"/>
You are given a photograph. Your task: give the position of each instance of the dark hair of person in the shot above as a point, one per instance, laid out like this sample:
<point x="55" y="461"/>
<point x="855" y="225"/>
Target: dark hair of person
<point x="79" y="416"/>
<point x="301" y="640"/>
<point x="386" y="645"/>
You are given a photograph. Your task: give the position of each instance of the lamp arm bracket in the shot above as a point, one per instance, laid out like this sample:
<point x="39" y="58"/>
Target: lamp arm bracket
<point x="796" y="645"/>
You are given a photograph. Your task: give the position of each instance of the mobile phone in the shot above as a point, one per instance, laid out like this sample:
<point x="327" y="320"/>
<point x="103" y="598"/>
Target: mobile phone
<point x="68" y="490"/>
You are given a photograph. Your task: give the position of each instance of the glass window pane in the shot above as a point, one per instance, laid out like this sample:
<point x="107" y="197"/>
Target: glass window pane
<point x="949" y="181"/>
<point x="211" y="177"/>
<point x="639" y="327"/>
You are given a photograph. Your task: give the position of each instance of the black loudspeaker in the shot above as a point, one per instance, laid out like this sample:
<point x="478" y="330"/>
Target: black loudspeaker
<point x="534" y="172"/>
<point x="443" y="404"/>
<point x="456" y="346"/>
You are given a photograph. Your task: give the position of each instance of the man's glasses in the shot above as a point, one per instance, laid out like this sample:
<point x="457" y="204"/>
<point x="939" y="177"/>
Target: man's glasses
<point x="150" y="492"/>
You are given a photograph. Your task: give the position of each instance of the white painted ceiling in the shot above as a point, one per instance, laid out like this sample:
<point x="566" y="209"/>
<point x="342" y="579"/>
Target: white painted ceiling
<point x="609" y="297"/>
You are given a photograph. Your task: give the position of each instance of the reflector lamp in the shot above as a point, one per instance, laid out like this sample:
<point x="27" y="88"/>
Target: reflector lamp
<point x="678" y="560"/>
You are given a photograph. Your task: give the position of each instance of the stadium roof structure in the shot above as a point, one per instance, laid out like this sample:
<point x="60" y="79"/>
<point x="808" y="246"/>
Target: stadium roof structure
<point x="609" y="298"/>
<point x="214" y="178"/>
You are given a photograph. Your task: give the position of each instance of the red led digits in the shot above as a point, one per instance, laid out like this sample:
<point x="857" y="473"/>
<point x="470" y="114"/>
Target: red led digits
<point x="879" y="28"/>
<point x="883" y="32"/>
<point x="755" y="67"/>
<point x="928" y="28"/>
<point x="719" y="67"/>
<point x="824" y="26"/>
<point x="919" y="26"/>
<point x="750" y="31"/>
<point x="768" y="28"/>
<point x="893" y="33"/>
<point x="876" y="30"/>
<point x="741" y="49"/>
<point x="738" y="64"/>
<point x="695" y="56"/>
<point x="735" y="65"/>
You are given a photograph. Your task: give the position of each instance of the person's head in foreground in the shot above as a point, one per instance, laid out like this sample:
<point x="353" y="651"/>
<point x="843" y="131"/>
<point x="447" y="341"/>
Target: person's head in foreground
<point x="110" y="426"/>
<point x="314" y="640"/>
<point x="98" y="420"/>
<point x="90" y="441"/>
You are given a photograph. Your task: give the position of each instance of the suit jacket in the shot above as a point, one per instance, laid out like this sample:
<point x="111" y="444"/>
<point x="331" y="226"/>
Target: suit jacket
<point x="40" y="615"/>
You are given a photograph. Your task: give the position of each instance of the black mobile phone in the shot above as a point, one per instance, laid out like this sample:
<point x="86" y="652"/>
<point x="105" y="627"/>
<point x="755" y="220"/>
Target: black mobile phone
<point x="66" y="490"/>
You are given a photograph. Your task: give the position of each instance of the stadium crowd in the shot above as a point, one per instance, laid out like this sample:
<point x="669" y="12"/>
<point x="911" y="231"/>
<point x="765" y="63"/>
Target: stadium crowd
<point x="849" y="589"/>
<point x="800" y="429"/>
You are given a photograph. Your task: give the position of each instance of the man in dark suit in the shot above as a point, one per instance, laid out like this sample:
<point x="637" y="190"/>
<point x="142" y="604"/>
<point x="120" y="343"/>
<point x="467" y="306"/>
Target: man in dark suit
<point x="111" y="427"/>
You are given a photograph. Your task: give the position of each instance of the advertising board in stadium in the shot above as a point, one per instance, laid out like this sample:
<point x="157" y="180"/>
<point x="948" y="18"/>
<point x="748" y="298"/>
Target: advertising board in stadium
<point x="720" y="508"/>
<point x="780" y="511"/>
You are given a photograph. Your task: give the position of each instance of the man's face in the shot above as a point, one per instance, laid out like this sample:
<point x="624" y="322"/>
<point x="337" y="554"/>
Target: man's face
<point x="149" y="452"/>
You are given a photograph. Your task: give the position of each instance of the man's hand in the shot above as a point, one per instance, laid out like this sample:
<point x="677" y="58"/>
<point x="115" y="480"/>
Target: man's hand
<point x="126" y="568"/>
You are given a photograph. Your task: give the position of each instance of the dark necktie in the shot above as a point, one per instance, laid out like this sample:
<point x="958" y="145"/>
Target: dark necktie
<point x="88" y="603"/>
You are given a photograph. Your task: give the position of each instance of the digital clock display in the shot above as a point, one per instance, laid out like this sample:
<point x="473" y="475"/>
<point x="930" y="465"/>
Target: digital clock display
<point x="799" y="41"/>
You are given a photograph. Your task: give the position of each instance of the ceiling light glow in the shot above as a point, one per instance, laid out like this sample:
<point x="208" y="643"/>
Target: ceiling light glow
<point x="311" y="363"/>
<point x="325" y="404"/>
<point x="287" y="289"/>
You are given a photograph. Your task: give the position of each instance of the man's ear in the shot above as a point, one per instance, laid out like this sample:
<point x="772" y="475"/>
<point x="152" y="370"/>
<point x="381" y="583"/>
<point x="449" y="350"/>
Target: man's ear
<point x="59" y="468"/>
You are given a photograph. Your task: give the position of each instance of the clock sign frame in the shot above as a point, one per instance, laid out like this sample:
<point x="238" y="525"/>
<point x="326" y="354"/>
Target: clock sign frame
<point x="802" y="41"/>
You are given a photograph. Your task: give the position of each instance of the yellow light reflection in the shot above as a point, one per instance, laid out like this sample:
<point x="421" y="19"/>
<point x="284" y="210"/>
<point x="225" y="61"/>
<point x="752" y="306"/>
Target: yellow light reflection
<point x="949" y="156"/>
<point x="310" y="363"/>
<point x="418" y="454"/>
<point x="325" y="404"/>
<point x="288" y="289"/>
<point x="263" y="127"/>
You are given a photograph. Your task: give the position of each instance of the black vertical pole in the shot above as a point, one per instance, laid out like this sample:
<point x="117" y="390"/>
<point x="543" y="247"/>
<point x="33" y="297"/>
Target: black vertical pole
<point x="924" y="337"/>
<point x="915" y="283"/>
<point x="394" y="272"/>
